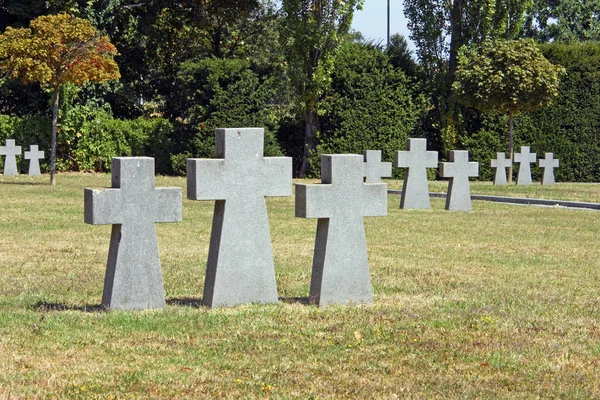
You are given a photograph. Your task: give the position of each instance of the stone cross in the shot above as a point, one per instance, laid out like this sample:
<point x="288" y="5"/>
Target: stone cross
<point x="524" y="158"/>
<point x="133" y="205"/>
<point x="500" y="164"/>
<point x="240" y="265"/>
<point x="548" y="164"/>
<point x="10" y="162"/>
<point x="340" y="271"/>
<point x="374" y="168"/>
<point x="459" y="169"/>
<point x="416" y="160"/>
<point x="34" y="156"/>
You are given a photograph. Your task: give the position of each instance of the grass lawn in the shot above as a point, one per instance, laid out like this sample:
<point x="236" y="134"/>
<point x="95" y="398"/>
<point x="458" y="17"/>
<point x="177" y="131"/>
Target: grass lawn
<point x="502" y="302"/>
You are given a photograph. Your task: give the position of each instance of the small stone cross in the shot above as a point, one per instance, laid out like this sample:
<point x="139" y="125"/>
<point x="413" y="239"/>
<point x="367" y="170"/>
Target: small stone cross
<point x="416" y="160"/>
<point x="548" y="164"/>
<point x="133" y="205"/>
<point x="459" y="169"/>
<point x="240" y="266"/>
<point x="340" y="271"/>
<point x="500" y="164"/>
<point x="374" y="168"/>
<point x="524" y="158"/>
<point x="34" y="156"/>
<point x="10" y="162"/>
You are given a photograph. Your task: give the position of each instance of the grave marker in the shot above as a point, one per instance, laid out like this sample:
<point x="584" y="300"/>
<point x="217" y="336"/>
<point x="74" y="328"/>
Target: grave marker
<point x="340" y="271"/>
<point x="133" y="205"/>
<point x="34" y="156"/>
<point x="524" y="158"/>
<point x="501" y="163"/>
<point x="374" y="168"/>
<point x="459" y="169"/>
<point x="416" y="160"/>
<point x="548" y="164"/>
<point x="240" y="265"/>
<point x="10" y="162"/>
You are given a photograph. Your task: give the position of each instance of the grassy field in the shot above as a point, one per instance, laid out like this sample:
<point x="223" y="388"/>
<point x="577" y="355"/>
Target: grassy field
<point x="502" y="302"/>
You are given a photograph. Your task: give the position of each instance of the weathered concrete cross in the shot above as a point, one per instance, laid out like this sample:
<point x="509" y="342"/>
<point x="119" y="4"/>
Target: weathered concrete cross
<point x="240" y="265"/>
<point x="548" y="164"/>
<point x="34" y="156"/>
<point x="374" y="168"/>
<point x="524" y="158"/>
<point x="416" y="160"/>
<point x="133" y="205"/>
<point x="500" y="164"/>
<point x="10" y="162"/>
<point x="340" y="271"/>
<point x="459" y="169"/>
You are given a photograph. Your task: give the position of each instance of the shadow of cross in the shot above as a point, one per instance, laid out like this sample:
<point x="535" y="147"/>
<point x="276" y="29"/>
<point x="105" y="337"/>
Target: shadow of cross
<point x="133" y="205"/>
<point x="524" y="158"/>
<point x="11" y="152"/>
<point x="374" y="168"/>
<point x="340" y="271"/>
<point x="34" y="156"/>
<point x="416" y="160"/>
<point x="240" y="267"/>
<point x="500" y="164"/>
<point x="548" y="164"/>
<point x="459" y="169"/>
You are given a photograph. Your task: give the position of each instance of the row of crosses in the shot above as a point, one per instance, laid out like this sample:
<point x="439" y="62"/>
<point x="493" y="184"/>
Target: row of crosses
<point x="11" y="151"/>
<point x="524" y="158"/>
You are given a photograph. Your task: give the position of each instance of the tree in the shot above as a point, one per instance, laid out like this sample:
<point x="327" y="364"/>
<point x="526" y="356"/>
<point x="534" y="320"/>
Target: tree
<point x="564" y="20"/>
<point x="57" y="50"/>
<point x="507" y="77"/>
<point x="311" y="31"/>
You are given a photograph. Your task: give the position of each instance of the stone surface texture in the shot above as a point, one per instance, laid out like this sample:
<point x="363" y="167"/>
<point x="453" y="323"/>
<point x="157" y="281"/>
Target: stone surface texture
<point x="34" y="156"/>
<point x="133" y="205"/>
<point x="10" y="161"/>
<point x="374" y="168"/>
<point x="501" y="163"/>
<point x="416" y="160"/>
<point x="340" y="271"/>
<point x="524" y="158"/>
<point x="458" y="170"/>
<point x="548" y="164"/>
<point x="240" y="267"/>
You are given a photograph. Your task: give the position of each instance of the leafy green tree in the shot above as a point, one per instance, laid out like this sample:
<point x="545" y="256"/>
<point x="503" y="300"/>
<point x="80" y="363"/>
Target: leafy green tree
<point x="507" y="77"/>
<point x="53" y="51"/>
<point x="564" y="21"/>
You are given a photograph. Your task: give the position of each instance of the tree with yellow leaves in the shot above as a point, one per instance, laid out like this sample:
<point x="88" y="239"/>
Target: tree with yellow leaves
<point x="54" y="50"/>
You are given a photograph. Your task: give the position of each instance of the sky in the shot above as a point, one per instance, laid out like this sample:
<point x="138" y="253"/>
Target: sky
<point x="371" y="21"/>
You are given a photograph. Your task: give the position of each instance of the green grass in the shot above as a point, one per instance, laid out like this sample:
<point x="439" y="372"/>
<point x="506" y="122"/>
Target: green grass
<point x="502" y="302"/>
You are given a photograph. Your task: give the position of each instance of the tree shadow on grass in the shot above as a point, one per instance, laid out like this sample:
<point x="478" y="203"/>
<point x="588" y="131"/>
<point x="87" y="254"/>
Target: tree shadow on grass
<point x="194" y="302"/>
<point x="45" y="306"/>
<point x="3" y="182"/>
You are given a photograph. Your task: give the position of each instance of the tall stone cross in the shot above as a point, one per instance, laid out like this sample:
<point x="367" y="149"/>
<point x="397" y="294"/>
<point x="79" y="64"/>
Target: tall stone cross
<point x="34" y="156"/>
<point x="524" y="158"/>
<point x="459" y="169"/>
<point x="500" y="164"/>
<point x="340" y="271"/>
<point x="240" y="265"/>
<point x="11" y="152"/>
<point x="374" y="168"/>
<point x="416" y="160"/>
<point x="133" y="205"/>
<point x="548" y="164"/>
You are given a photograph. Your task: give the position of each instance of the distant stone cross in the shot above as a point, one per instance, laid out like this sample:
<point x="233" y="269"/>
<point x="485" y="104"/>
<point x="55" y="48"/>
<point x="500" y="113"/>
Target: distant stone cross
<point x="374" y="168"/>
<point x="340" y="271"/>
<point x="459" y="169"/>
<point x="11" y="152"/>
<point x="524" y="158"/>
<point x="240" y="265"/>
<point x="416" y="160"/>
<point x="133" y="205"/>
<point x="548" y="164"/>
<point x="34" y="156"/>
<point x="500" y="164"/>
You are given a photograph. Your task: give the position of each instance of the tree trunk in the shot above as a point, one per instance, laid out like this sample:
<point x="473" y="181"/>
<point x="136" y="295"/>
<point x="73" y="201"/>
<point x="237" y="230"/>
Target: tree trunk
<point x="510" y="145"/>
<point x="53" y="146"/>
<point x="310" y="126"/>
<point x="455" y="37"/>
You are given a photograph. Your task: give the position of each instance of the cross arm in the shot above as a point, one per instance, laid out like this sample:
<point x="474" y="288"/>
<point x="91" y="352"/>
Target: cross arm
<point x="169" y="204"/>
<point x="374" y="199"/>
<point x="313" y="201"/>
<point x="206" y="178"/>
<point x="102" y="207"/>
<point x="277" y="176"/>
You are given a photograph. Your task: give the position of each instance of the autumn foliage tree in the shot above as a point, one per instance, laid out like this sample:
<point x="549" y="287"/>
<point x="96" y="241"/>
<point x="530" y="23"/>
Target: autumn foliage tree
<point x="57" y="50"/>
